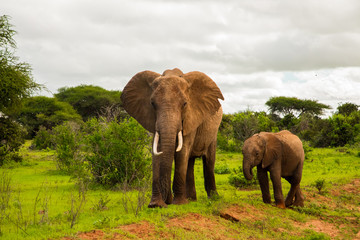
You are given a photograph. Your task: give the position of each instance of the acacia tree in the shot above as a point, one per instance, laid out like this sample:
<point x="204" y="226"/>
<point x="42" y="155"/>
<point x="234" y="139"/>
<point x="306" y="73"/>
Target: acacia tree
<point x="16" y="83"/>
<point x="16" y="78"/>
<point x="294" y="106"/>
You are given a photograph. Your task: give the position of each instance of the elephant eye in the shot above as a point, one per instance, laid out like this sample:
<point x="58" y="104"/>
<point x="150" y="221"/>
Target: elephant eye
<point x="153" y="104"/>
<point x="185" y="103"/>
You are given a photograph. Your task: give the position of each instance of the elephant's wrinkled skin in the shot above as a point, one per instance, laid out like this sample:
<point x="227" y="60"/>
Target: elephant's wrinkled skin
<point x="184" y="113"/>
<point x="282" y="155"/>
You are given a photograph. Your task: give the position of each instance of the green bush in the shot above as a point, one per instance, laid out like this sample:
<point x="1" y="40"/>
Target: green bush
<point x="11" y="138"/>
<point x="43" y="139"/>
<point x="67" y="138"/>
<point x="319" y="184"/>
<point x="238" y="180"/>
<point x="222" y="169"/>
<point x="117" y="152"/>
<point x="228" y="144"/>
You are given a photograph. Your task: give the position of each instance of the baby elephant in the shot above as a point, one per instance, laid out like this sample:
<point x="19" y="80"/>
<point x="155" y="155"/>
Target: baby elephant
<point x="281" y="154"/>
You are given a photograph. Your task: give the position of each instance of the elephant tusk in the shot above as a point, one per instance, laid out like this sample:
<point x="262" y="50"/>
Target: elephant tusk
<point x="155" y="145"/>
<point x="180" y="142"/>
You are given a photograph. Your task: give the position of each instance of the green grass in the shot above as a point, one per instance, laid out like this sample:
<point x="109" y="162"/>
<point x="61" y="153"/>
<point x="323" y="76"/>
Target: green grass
<point x="41" y="198"/>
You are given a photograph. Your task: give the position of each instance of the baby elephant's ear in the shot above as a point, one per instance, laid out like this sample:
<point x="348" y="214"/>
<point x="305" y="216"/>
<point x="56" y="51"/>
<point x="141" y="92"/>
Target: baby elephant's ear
<point x="273" y="149"/>
<point x="203" y="100"/>
<point x="136" y="99"/>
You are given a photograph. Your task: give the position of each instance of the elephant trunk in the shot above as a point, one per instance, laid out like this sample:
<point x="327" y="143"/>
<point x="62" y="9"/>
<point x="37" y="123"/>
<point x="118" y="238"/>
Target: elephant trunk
<point x="247" y="170"/>
<point x="162" y="165"/>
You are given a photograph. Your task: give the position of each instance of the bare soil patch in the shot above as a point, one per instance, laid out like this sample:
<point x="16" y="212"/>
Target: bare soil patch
<point x="206" y="227"/>
<point x="319" y="226"/>
<point x="222" y="226"/>
<point x="236" y="213"/>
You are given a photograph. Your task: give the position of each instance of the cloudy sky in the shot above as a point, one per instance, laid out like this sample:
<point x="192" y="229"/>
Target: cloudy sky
<point x="253" y="49"/>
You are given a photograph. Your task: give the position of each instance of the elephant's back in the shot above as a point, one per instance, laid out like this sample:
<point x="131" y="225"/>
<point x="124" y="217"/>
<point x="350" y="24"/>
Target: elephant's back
<point x="293" y="154"/>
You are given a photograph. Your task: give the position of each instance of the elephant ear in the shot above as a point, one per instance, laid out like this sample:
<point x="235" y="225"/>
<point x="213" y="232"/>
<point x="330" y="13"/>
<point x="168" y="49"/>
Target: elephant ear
<point x="203" y="100"/>
<point x="272" y="149"/>
<point x="136" y="99"/>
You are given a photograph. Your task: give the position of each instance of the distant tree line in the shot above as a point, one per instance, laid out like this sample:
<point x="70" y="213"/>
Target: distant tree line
<point x="301" y="117"/>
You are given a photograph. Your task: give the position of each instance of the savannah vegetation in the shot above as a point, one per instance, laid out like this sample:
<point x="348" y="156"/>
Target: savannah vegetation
<point x="76" y="162"/>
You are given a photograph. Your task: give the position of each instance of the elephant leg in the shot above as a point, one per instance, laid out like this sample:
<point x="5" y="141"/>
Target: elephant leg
<point x="179" y="184"/>
<point x="190" y="181"/>
<point x="156" y="197"/>
<point x="293" y="190"/>
<point x="264" y="184"/>
<point x="208" y="168"/>
<point x="299" y="198"/>
<point x="278" y="195"/>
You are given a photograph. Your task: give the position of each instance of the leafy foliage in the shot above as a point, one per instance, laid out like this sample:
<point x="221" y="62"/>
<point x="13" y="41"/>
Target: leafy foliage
<point x="43" y="139"/>
<point x="293" y="105"/>
<point x="334" y="131"/>
<point x="235" y="128"/>
<point x="347" y="109"/>
<point x="16" y="79"/>
<point x="11" y="138"/>
<point x="113" y="152"/>
<point x="47" y="112"/>
<point x="16" y="83"/>
<point x="89" y="100"/>
<point x="117" y="152"/>
<point x="68" y="141"/>
<point x="238" y="180"/>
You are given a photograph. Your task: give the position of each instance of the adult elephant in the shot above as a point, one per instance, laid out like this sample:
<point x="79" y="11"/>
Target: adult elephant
<point x="281" y="154"/>
<point x="184" y="113"/>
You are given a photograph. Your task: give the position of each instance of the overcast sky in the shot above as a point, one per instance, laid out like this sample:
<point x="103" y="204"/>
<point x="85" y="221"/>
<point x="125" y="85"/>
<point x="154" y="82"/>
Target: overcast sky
<point x="252" y="49"/>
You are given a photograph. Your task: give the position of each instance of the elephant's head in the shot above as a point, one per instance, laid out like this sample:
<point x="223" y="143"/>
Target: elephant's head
<point x="171" y="105"/>
<point x="262" y="149"/>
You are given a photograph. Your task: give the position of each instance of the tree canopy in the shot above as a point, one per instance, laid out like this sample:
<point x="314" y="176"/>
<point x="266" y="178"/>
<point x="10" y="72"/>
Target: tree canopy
<point x="347" y="108"/>
<point x="16" y="82"/>
<point x="295" y="106"/>
<point x="44" y="111"/>
<point x="88" y="100"/>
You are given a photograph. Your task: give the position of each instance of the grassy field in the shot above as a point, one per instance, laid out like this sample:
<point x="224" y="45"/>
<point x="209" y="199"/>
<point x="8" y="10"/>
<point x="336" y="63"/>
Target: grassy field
<point x="38" y="201"/>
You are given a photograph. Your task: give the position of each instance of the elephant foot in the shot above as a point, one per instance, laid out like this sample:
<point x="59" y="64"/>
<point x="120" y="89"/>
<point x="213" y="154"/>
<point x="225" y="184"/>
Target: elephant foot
<point x="299" y="202"/>
<point x="212" y="193"/>
<point x="266" y="199"/>
<point x="281" y="204"/>
<point x="158" y="203"/>
<point x="192" y="198"/>
<point x="180" y="200"/>
<point x="289" y="202"/>
<point x="169" y="199"/>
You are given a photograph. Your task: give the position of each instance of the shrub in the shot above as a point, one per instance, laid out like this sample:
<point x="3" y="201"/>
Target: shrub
<point x="319" y="184"/>
<point x="11" y="138"/>
<point x="222" y="169"/>
<point x="117" y="152"/>
<point x="68" y="141"/>
<point x="228" y="144"/>
<point x="307" y="149"/>
<point x="43" y="139"/>
<point x="238" y="180"/>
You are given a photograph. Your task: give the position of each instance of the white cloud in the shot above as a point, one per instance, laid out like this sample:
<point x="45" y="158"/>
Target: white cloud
<point x="252" y="49"/>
